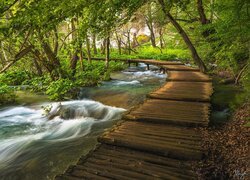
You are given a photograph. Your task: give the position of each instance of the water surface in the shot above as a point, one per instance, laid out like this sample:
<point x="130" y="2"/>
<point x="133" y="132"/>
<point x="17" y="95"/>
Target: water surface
<point x="32" y="146"/>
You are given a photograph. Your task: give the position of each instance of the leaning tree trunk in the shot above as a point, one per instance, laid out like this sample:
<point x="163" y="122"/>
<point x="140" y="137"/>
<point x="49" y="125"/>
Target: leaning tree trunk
<point x="107" y="52"/>
<point x="38" y="67"/>
<point x="185" y="37"/>
<point x="17" y="57"/>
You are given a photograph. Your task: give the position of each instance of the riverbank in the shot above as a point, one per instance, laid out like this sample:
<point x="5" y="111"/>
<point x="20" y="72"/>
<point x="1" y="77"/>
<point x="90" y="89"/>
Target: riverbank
<point x="227" y="147"/>
<point x="226" y="139"/>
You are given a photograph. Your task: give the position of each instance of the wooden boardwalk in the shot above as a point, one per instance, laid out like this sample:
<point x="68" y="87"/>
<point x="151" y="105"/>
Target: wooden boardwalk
<point x="158" y="139"/>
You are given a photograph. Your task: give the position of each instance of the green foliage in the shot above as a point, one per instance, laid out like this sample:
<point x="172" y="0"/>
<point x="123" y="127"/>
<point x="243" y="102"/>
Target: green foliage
<point x="38" y="84"/>
<point x="13" y="78"/>
<point x="92" y="75"/>
<point x="149" y="52"/>
<point x="245" y="81"/>
<point x="60" y="89"/>
<point x="117" y="66"/>
<point x="7" y="94"/>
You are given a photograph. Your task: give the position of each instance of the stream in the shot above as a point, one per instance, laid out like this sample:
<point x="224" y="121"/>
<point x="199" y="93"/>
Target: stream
<point x="32" y="146"/>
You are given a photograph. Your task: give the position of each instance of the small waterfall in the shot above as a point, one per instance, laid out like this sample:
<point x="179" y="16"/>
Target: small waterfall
<point x="24" y="128"/>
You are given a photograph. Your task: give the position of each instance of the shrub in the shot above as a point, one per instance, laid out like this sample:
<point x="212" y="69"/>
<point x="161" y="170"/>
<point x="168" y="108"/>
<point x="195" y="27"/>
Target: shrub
<point x="60" y="89"/>
<point x="38" y="84"/>
<point x="7" y="94"/>
<point x="13" y="78"/>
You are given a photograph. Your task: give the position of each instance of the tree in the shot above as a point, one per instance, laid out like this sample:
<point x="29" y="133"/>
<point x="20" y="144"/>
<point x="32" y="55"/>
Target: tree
<point x="184" y="35"/>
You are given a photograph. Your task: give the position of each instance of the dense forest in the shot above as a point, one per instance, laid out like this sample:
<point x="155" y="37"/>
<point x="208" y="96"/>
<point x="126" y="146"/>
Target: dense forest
<point x="44" y="41"/>
<point x="55" y="47"/>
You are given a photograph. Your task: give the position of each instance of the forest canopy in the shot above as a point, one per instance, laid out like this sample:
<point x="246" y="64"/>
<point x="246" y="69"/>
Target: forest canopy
<point x="44" y="41"/>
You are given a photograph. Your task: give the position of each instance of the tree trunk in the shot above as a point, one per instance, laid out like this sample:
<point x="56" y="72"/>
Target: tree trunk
<point x="103" y="46"/>
<point x="203" y="18"/>
<point x="56" y="39"/>
<point x="81" y="58"/>
<point x="88" y="49"/>
<point x="38" y="67"/>
<point x="94" y="43"/>
<point x="18" y="56"/>
<point x="74" y="58"/>
<point x="161" y="38"/>
<point x="149" y="22"/>
<point x="135" y="42"/>
<point x="128" y="42"/>
<point x="5" y="59"/>
<point x="185" y="37"/>
<point x="119" y="43"/>
<point x="107" y="52"/>
<point x="73" y="62"/>
<point x="241" y="73"/>
<point x="152" y="37"/>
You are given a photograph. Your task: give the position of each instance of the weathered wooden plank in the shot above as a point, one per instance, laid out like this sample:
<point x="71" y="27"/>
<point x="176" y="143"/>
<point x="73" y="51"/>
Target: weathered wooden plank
<point x="146" y="61"/>
<point x="171" y="112"/>
<point x="139" y="169"/>
<point x="169" y="150"/>
<point x="184" y="91"/>
<point x="188" y="76"/>
<point x="179" y="146"/>
<point x="141" y="156"/>
<point x="180" y="68"/>
<point x="122" y="163"/>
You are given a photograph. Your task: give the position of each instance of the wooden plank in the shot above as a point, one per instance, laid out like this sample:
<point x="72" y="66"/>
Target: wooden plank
<point x="184" y="91"/>
<point x="122" y="163"/>
<point x="182" y="113"/>
<point x="141" y="156"/>
<point x="180" y="68"/>
<point x="188" y="76"/>
<point x="146" y="61"/>
<point x="178" y="147"/>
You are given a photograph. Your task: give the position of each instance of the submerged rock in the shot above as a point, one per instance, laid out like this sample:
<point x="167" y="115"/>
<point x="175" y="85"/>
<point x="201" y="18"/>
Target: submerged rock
<point x="76" y="111"/>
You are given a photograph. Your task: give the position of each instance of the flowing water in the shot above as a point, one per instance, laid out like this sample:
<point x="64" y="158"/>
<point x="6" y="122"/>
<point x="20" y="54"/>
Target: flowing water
<point x="34" y="145"/>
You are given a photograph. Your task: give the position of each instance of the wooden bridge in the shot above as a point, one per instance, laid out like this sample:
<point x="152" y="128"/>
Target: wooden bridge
<point x="158" y="139"/>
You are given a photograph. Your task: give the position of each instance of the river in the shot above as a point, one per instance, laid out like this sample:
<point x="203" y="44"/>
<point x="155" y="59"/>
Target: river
<point x="34" y="147"/>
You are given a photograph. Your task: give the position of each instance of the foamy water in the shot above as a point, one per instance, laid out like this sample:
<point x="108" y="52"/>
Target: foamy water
<point x="31" y="126"/>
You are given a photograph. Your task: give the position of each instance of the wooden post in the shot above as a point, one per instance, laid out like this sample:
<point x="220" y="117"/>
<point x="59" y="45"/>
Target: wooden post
<point x="147" y="67"/>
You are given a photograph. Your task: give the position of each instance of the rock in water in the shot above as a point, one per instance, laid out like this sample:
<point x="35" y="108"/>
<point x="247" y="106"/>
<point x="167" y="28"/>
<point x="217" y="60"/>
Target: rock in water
<point x="55" y="111"/>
